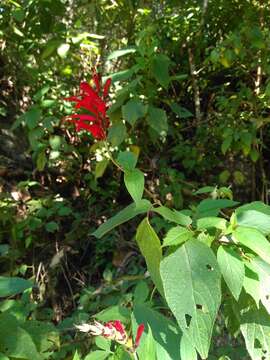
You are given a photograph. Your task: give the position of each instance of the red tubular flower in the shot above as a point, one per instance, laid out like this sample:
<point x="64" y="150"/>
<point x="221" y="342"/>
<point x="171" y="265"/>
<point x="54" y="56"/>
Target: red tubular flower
<point x="94" y="101"/>
<point x="140" y="331"/>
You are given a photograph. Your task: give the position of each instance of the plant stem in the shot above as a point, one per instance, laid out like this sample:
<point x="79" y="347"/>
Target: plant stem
<point x="135" y="356"/>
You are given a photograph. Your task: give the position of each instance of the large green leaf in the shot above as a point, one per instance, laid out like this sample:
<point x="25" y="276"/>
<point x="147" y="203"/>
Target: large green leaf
<point x="167" y="334"/>
<point x="191" y="281"/>
<point x="123" y="216"/>
<point x="160" y="69"/>
<point x="255" y="327"/>
<point x="97" y="355"/>
<point x="176" y="236"/>
<point x="134" y="181"/>
<point x="255" y="205"/>
<point x="263" y="270"/>
<point x="254" y="240"/>
<point x="211" y="222"/>
<point x="254" y="219"/>
<point x="133" y="110"/>
<point x="209" y="207"/>
<point x="13" y="285"/>
<point x="121" y="52"/>
<point x="232" y="269"/>
<point x="15" y="342"/>
<point x="251" y="283"/>
<point x="173" y="215"/>
<point x="150" y="248"/>
<point x="157" y="119"/>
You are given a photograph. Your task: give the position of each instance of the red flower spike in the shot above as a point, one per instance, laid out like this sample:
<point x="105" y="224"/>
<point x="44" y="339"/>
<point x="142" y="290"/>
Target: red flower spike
<point x="90" y="99"/>
<point x="107" y="88"/>
<point x="97" y="79"/>
<point x="140" y="331"/>
<point x="119" y="327"/>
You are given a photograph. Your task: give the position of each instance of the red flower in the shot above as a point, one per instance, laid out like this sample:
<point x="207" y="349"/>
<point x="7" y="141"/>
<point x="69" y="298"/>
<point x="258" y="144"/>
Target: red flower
<point x="94" y="101"/>
<point x="140" y="331"/>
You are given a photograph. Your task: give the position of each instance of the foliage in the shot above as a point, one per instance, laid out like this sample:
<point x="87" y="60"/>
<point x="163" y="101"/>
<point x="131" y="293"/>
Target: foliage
<point x="135" y="219"/>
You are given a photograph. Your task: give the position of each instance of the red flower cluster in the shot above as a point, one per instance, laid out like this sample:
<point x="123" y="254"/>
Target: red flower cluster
<point x="93" y="100"/>
<point x="113" y="330"/>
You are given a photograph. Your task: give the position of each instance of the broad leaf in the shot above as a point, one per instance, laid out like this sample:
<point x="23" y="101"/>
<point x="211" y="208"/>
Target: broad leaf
<point x="263" y="270"/>
<point x="134" y="181"/>
<point x="133" y="110"/>
<point x="232" y="269"/>
<point x="10" y="286"/>
<point x="148" y="348"/>
<point x="123" y="216"/>
<point x="191" y="281"/>
<point x="167" y="335"/>
<point x="209" y="207"/>
<point x="97" y="355"/>
<point x="150" y="248"/>
<point x="160" y="69"/>
<point x="173" y="215"/>
<point x="255" y="205"/>
<point x="211" y="222"/>
<point x="255" y="327"/>
<point x="15" y="342"/>
<point x="254" y="219"/>
<point x="157" y="119"/>
<point x="121" y="52"/>
<point x="127" y="160"/>
<point x="254" y="240"/>
<point x="252" y="284"/>
<point x="176" y="236"/>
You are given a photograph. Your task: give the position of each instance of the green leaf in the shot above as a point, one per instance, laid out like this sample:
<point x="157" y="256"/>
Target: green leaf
<point x="251" y="283"/>
<point x="63" y="50"/>
<point x="205" y="190"/>
<point x="191" y="281"/>
<point x="254" y="240"/>
<point x="165" y="332"/>
<point x="141" y="292"/>
<point x="232" y="269"/>
<point x="173" y="215"/>
<point x="10" y="286"/>
<point x="160" y="69"/>
<point x="255" y="328"/>
<point x="255" y="205"/>
<point x="187" y="349"/>
<point x="100" y="168"/>
<point x="76" y="356"/>
<point x="32" y="117"/>
<point x="41" y="160"/>
<point x="134" y="181"/>
<point x="127" y="160"/>
<point x="15" y="342"/>
<point x="148" y="348"/>
<point x="263" y="270"/>
<point x="180" y="111"/>
<point x="176" y="236"/>
<point x="52" y="226"/>
<point x="209" y="207"/>
<point x="226" y="144"/>
<point x="157" y="119"/>
<point x="150" y="248"/>
<point x="117" y="134"/>
<point x="133" y="110"/>
<point x="55" y="142"/>
<point x="211" y="222"/>
<point x="123" y="216"/>
<point x="122" y="52"/>
<point x="103" y="343"/>
<point x="254" y="219"/>
<point x="116" y="312"/>
<point x="97" y="355"/>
